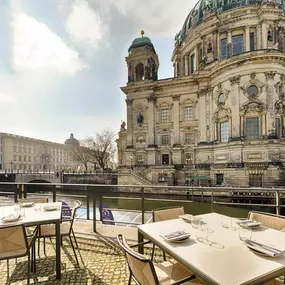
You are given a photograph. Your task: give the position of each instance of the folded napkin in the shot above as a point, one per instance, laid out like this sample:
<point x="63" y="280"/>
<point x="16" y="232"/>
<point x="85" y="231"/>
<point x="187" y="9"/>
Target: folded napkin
<point x="249" y="223"/>
<point x="177" y="235"/>
<point x="265" y="249"/>
<point x="11" y="217"/>
<point x="186" y="217"/>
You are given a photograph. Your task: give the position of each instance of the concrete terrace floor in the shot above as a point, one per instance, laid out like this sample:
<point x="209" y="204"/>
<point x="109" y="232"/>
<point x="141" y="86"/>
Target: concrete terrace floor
<point x="101" y="260"/>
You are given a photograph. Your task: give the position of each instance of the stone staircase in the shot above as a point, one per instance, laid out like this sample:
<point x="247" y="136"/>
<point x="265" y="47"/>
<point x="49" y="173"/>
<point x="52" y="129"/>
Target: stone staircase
<point x="144" y="180"/>
<point x="131" y="177"/>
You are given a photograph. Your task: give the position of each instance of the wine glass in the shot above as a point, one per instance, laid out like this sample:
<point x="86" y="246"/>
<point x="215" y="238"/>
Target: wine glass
<point x="244" y="233"/>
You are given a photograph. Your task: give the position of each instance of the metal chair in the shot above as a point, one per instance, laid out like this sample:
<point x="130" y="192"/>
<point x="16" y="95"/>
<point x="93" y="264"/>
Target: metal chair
<point x="144" y="271"/>
<point x="66" y="229"/>
<point x="164" y="214"/>
<point x="15" y="243"/>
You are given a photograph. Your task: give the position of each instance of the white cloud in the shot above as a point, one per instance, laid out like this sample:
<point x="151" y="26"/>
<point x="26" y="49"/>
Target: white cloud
<point x="85" y="26"/>
<point x="4" y="98"/>
<point x="159" y="16"/>
<point x="35" y="47"/>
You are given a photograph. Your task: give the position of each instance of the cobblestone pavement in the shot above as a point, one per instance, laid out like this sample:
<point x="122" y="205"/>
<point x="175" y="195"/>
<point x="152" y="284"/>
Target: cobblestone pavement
<point x="101" y="262"/>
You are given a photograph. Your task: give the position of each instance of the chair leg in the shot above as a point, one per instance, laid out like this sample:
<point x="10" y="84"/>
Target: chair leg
<point x="74" y="238"/>
<point x="130" y="279"/>
<point x="28" y="278"/>
<point x="39" y="242"/>
<point x="34" y="257"/>
<point x="45" y="247"/>
<point x="152" y="254"/>
<point x="164" y="255"/>
<point x="8" y="272"/>
<point x="73" y="249"/>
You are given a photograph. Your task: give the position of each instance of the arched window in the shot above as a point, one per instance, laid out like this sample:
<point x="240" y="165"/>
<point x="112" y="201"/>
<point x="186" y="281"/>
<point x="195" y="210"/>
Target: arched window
<point x="139" y="72"/>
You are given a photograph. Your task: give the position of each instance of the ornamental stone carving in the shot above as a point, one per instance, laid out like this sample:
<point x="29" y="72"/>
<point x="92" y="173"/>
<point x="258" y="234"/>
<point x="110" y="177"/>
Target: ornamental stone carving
<point x="141" y="138"/>
<point x="222" y="114"/>
<point x="221" y="95"/>
<point x="253" y="88"/>
<point x="235" y="80"/>
<point x="270" y="75"/>
<point x="253" y="107"/>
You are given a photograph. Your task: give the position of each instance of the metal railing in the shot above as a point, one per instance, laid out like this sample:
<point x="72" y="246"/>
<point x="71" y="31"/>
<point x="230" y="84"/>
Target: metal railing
<point x="270" y="199"/>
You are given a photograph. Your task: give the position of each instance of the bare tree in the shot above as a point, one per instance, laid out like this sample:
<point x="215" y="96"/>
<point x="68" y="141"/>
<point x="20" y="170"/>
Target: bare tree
<point x="81" y="154"/>
<point x="101" y="149"/>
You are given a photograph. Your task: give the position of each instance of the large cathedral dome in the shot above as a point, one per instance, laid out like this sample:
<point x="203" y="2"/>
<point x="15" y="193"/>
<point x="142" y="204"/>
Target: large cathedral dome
<point x="205" y="7"/>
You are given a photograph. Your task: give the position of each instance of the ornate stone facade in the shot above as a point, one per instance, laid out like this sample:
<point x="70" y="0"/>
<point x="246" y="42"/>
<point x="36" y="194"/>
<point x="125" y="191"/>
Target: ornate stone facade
<point x="220" y="119"/>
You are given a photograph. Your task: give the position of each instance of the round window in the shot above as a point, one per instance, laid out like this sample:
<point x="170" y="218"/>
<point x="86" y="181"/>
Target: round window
<point x="252" y="90"/>
<point x="221" y="98"/>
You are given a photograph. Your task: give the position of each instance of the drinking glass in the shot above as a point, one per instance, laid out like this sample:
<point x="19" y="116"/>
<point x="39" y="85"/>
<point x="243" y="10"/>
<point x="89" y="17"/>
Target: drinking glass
<point x="201" y="234"/>
<point x="226" y="222"/>
<point x="17" y="207"/>
<point x="22" y="212"/>
<point x="196" y="222"/>
<point x="244" y="233"/>
<point x="37" y="207"/>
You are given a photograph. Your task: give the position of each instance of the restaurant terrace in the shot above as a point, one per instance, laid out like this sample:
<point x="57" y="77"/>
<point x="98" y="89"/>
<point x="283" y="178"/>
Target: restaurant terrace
<point x="143" y="234"/>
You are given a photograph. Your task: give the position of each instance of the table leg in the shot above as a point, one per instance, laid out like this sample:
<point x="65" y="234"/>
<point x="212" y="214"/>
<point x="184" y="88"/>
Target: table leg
<point x="58" y="246"/>
<point x="140" y="240"/>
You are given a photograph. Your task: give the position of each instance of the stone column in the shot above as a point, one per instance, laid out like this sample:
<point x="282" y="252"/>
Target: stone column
<point x="151" y="120"/>
<point x="196" y="61"/>
<point x="186" y="65"/>
<point x="181" y="67"/>
<point x="258" y="37"/>
<point x="229" y="43"/>
<point x="234" y="97"/>
<point x="263" y="125"/>
<point x="270" y="99"/>
<point x="264" y="31"/>
<point x="218" y="45"/>
<point x="202" y="115"/>
<point x="176" y="119"/>
<point x="129" y="122"/>
<point x="242" y="133"/>
<point x="247" y="39"/>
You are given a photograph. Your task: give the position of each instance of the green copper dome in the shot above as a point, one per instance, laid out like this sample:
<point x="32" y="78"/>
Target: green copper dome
<point x="142" y="41"/>
<point x="204" y="7"/>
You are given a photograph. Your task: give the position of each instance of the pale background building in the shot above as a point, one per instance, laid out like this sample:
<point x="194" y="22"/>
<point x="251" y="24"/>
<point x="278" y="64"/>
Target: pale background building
<point x="220" y="119"/>
<point x="18" y="153"/>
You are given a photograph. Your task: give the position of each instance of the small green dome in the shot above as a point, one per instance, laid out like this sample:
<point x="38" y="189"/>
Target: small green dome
<point x="142" y="41"/>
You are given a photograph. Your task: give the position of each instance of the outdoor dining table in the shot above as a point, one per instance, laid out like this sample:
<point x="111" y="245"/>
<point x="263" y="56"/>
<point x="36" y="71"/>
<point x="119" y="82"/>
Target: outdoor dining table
<point x="33" y="217"/>
<point x="223" y="259"/>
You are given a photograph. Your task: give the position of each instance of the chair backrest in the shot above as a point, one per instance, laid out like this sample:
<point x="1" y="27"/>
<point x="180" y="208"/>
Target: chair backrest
<point x="141" y="267"/>
<point x="272" y="221"/>
<point x="164" y="214"/>
<point x="76" y="205"/>
<point x="34" y="200"/>
<point x="13" y="241"/>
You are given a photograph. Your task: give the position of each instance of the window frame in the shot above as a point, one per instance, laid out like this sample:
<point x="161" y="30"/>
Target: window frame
<point x="250" y="131"/>
<point x="240" y="44"/>
<point x="223" y="135"/>
<point x="188" y="113"/>
<point x="223" y="49"/>
<point x="164" y="115"/>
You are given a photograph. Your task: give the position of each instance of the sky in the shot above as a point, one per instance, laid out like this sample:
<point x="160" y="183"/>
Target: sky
<point x="62" y="62"/>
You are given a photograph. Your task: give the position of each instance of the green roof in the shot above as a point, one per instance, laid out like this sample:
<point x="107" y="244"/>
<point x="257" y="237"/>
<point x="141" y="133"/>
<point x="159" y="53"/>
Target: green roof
<point x="142" y="41"/>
